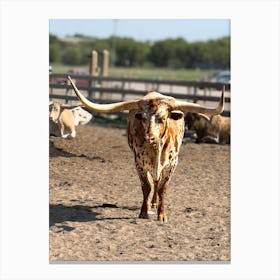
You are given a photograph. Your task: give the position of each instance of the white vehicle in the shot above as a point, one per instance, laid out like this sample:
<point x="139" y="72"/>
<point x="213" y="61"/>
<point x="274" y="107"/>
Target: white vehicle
<point x="221" y="77"/>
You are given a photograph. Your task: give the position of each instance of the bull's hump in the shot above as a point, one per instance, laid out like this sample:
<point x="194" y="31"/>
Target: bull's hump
<point x="153" y="95"/>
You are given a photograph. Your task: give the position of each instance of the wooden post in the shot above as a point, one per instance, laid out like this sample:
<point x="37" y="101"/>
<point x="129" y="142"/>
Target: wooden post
<point x="93" y="67"/>
<point x="66" y="91"/>
<point x="104" y="69"/>
<point x="157" y="86"/>
<point x="123" y="88"/>
<point x="93" y="71"/>
<point x="195" y="94"/>
<point x="105" y="64"/>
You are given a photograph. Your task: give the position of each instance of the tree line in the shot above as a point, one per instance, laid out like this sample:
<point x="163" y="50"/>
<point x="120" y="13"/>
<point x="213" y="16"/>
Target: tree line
<point x="175" y="53"/>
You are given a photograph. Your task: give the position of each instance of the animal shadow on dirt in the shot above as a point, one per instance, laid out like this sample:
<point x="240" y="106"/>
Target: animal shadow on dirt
<point x="59" y="152"/>
<point x="59" y="213"/>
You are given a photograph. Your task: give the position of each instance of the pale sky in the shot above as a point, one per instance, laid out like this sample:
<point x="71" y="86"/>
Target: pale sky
<point x="143" y="29"/>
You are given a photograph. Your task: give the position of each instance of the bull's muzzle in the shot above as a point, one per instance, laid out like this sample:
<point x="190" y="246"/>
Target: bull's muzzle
<point x="55" y="120"/>
<point x="153" y="141"/>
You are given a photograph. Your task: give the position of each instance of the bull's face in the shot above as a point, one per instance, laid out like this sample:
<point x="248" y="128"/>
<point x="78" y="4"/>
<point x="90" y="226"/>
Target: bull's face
<point x="153" y="120"/>
<point x="54" y="111"/>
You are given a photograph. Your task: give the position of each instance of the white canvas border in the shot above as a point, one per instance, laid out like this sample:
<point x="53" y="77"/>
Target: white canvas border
<point x="255" y="138"/>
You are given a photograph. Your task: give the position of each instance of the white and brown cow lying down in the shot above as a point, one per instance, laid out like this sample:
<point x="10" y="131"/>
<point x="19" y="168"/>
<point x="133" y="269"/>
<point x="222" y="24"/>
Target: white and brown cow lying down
<point x="64" y="118"/>
<point x="155" y="131"/>
<point x="214" y="129"/>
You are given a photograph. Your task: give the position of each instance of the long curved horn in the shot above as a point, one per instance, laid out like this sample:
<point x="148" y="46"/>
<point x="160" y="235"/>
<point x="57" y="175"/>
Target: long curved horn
<point x="196" y="108"/>
<point x="105" y="108"/>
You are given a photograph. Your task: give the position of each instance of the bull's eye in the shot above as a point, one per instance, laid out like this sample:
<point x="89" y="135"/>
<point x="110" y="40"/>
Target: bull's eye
<point x="139" y="116"/>
<point x="176" y="115"/>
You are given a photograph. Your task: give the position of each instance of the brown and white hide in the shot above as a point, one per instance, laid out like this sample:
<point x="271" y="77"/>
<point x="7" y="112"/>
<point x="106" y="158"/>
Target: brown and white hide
<point x="155" y="135"/>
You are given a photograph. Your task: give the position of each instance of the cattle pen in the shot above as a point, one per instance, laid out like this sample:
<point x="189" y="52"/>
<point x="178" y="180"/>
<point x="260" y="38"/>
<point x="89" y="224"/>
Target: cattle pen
<point x="114" y="89"/>
<point x="95" y="199"/>
<point x="95" y="194"/>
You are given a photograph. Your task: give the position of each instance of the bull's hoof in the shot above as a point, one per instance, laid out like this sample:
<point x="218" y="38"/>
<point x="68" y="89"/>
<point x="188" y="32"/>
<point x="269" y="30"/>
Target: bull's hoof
<point x="143" y="215"/>
<point x="162" y="218"/>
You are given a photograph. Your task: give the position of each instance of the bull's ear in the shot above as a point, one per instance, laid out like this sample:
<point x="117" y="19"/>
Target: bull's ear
<point x="176" y="115"/>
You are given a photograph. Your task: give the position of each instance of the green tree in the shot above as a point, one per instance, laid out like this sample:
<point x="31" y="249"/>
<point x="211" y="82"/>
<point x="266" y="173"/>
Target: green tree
<point x="130" y="52"/>
<point x="170" y="53"/>
<point x="54" y="53"/>
<point x="54" y="49"/>
<point x="72" y="56"/>
<point x="176" y="53"/>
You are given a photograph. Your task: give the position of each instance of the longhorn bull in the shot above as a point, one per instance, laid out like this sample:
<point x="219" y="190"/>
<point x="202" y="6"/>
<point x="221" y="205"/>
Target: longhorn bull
<point x="155" y="131"/>
<point x="214" y="129"/>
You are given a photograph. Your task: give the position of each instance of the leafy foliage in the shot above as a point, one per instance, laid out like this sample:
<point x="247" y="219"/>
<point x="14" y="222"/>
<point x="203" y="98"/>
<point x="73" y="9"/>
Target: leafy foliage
<point x="174" y="53"/>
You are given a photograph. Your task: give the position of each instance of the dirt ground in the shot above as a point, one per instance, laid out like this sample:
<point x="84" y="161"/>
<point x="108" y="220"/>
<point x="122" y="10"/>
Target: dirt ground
<point x="95" y="199"/>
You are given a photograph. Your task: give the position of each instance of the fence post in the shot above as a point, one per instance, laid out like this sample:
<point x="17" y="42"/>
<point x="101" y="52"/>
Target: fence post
<point x="105" y="63"/>
<point x="123" y="88"/>
<point x="93" y="67"/>
<point x="93" y="71"/>
<point x="195" y="94"/>
<point x="104" y="69"/>
<point x="157" y="86"/>
<point x="67" y="91"/>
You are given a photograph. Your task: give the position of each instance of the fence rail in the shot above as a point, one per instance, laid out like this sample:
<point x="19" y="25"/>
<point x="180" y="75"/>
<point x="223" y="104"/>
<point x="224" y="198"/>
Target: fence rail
<point x="114" y="89"/>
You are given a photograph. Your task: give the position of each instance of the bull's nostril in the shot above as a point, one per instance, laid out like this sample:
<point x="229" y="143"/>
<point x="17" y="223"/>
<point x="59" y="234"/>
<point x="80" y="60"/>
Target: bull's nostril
<point x="150" y="139"/>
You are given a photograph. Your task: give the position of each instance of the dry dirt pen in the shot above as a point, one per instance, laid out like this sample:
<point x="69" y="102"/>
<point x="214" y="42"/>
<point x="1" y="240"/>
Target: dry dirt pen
<point x="95" y="199"/>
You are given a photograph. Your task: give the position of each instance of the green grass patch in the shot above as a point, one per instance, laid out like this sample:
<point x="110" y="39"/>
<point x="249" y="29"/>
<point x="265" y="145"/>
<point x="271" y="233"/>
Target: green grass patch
<point x="144" y="73"/>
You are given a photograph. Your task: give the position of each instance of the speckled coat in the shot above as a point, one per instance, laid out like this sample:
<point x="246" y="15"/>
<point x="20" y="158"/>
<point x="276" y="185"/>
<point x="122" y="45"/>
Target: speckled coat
<point x="155" y="135"/>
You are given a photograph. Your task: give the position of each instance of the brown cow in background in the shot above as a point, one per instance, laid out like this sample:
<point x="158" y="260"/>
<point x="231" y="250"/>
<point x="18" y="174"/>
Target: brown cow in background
<point x="214" y="129"/>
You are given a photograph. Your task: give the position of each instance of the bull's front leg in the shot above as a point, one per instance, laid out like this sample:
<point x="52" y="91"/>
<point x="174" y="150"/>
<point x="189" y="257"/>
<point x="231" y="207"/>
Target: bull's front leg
<point x="146" y="189"/>
<point x="162" y="217"/>
<point x="155" y="197"/>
